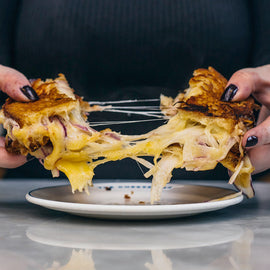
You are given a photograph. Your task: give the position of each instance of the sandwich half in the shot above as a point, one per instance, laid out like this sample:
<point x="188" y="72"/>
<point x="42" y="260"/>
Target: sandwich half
<point x="200" y="132"/>
<point x="213" y="128"/>
<point x="54" y="129"/>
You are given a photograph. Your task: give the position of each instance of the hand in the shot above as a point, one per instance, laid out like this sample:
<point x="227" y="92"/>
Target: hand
<point x="255" y="82"/>
<point x="14" y="84"/>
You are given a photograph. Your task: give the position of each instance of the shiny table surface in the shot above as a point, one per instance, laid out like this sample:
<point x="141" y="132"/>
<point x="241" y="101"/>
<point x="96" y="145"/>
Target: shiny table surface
<point x="32" y="237"/>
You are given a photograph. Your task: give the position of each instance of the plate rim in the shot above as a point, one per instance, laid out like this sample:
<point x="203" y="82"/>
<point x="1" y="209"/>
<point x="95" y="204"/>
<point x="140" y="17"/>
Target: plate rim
<point x="132" y="209"/>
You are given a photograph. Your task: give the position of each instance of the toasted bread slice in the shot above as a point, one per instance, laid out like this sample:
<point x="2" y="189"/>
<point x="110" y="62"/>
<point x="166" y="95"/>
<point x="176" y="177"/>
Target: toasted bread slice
<point x="203" y="98"/>
<point x="51" y="98"/>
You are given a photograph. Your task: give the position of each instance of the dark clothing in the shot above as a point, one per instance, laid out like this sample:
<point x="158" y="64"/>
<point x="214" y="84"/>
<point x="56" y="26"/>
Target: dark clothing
<point x="118" y="49"/>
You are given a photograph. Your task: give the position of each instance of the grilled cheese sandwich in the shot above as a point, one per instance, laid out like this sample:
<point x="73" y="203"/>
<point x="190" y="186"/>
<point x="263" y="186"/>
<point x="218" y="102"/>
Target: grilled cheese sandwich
<point x="201" y="132"/>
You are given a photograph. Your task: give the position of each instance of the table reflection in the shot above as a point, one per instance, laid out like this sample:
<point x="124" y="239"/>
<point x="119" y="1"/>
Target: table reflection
<point x="237" y="257"/>
<point x="81" y="259"/>
<point x="150" y="246"/>
<point x="160" y="261"/>
<point x="108" y="235"/>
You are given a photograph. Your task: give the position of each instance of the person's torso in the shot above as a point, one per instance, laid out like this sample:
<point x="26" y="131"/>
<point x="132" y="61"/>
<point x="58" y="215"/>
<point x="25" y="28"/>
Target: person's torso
<point x="104" y="43"/>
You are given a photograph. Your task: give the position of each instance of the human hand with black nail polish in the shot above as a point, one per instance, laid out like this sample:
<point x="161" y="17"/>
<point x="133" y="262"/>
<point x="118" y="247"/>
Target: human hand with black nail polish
<point x="17" y="86"/>
<point x="255" y="82"/>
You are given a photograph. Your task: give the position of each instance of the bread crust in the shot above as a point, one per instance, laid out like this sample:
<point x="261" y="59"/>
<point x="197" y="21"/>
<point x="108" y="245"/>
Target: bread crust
<point x="50" y="102"/>
<point x="204" y="97"/>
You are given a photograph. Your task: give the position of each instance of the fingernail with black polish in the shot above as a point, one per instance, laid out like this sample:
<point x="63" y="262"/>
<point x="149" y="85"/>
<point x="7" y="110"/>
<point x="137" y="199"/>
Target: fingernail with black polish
<point x="251" y="141"/>
<point x="229" y="93"/>
<point x="29" y="92"/>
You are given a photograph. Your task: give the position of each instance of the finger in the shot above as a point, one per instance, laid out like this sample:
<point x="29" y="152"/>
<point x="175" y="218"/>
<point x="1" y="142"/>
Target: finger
<point x="259" y="135"/>
<point x="8" y="160"/>
<point x="257" y="157"/>
<point x="16" y="85"/>
<point x="249" y="81"/>
<point x="264" y="113"/>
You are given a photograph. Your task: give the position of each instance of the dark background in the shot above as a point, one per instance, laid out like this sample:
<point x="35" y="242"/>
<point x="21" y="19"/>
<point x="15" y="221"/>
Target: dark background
<point x="111" y="50"/>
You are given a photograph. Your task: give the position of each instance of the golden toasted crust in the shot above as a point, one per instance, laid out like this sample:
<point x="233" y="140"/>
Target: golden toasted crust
<point x="14" y="147"/>
<point x="204" y="97"/>
<point x="50" y="102"/>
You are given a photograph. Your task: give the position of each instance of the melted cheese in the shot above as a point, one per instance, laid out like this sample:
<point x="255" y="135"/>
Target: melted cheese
<point x="79" y="173"/>
<point x="180" y="143"/>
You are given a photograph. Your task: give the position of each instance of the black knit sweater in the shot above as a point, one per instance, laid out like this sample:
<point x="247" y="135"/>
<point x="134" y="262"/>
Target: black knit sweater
<point x="115" y="49"/>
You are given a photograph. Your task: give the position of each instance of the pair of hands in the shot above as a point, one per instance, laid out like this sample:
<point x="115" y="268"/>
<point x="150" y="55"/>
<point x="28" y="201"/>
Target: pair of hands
<point x="242" y="84"/>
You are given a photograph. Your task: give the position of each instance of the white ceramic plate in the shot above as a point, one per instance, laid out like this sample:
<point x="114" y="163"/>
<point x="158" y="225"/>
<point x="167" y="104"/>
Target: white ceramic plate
<point x="131" y="200"/>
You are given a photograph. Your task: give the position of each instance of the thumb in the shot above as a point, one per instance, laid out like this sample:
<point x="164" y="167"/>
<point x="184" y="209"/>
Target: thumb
<point x="16" y="85"/>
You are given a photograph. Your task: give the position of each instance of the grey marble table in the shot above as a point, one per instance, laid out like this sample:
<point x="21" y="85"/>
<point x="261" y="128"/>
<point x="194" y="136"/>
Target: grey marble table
<point x="32" y="237"/>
